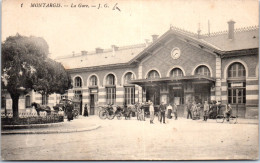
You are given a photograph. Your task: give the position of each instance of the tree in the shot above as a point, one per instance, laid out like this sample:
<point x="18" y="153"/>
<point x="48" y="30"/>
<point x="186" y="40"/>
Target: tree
<point x="25" y="64"/>
<point x="52" y="78"/>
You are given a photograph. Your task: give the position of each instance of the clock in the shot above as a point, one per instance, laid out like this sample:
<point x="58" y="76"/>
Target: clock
<point x="176" y="52"/>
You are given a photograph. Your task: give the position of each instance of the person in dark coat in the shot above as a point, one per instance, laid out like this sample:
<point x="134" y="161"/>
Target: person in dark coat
<point x="69" y="109"/>
<point x="162" y="110"/>
<point x="213" y="111"/>
<point x="86" y="110"/>
<point x="189" y="105"/>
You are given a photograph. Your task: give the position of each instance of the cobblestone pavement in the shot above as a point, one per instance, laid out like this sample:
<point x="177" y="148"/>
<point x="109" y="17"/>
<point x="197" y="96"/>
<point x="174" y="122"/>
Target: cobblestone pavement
<point x="131" y="139"/>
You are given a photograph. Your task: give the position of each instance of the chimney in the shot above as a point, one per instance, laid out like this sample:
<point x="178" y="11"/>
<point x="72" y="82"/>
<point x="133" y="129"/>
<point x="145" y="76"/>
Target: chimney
<point x="99" y="50"/>
<point x="84" y="52"/>
<point x="199" y="33"/>
<point x="114" y="47"/>
<point x="154" y="37"/>
<point x="231" y="29"/>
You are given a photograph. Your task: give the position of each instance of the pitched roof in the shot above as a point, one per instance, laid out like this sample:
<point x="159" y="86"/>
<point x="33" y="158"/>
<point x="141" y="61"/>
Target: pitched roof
<point x="244" y="38"/>
<point x="107" y="57"/>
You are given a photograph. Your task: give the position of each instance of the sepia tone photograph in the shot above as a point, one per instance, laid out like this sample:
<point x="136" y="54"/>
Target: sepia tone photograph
<point x="129" y="80"/>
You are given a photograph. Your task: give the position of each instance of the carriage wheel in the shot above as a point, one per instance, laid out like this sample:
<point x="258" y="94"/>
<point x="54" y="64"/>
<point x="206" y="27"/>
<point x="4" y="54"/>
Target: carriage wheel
<point x="102" y="114"/>
<point x="110" y="117"/>
<point x="220" y="118"/>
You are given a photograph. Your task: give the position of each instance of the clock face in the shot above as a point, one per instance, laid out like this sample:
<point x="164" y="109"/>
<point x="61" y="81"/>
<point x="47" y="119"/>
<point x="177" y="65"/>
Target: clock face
<point x="176" y="52"/>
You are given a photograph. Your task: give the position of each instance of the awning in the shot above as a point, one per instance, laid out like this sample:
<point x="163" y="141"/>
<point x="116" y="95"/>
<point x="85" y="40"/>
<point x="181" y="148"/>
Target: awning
<point x="193" y="78"/>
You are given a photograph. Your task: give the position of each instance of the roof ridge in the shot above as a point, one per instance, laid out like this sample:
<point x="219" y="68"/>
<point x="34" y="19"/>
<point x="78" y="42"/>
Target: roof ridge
<point x="248" y="28"/>
<point x="177" y="29"/>
<point x="139" y="45"/>
<point x="237" y="30"/>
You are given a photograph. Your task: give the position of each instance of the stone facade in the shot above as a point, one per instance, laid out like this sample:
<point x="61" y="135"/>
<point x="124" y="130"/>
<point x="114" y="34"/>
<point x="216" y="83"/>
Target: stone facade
<point x="213" y="85"/>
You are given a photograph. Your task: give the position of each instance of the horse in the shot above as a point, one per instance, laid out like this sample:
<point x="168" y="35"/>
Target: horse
<point x="39" y="108"/>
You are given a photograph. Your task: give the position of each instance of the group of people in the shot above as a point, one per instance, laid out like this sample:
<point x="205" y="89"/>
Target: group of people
<point x="194" y="111"/>
<point x="163" y="109"/>
<point x="208" y="110"/>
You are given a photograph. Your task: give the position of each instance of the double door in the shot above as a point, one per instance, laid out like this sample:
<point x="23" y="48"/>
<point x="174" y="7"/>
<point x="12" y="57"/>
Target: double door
<point x="93" y="100"/>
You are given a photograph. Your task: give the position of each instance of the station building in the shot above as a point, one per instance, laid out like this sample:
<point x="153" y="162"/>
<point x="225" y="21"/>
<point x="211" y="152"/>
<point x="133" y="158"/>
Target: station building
<point x="176" y="67"/>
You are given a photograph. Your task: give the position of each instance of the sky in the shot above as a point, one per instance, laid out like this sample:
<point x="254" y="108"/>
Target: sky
<point x="70" y="29"/>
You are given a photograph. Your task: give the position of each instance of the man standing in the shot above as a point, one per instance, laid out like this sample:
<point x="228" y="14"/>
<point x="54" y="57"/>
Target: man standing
<point x="162" y="110"/>
<point x="169" y="111"/>
<point x="194" y="111"/>
<point x="228" y="111"/>
<point x="69" y="108"/>
<point x="175" y="112"/>
<point x="206" y="110"/>
<point x="151" y="110"/>
<point x="189" y="110"/>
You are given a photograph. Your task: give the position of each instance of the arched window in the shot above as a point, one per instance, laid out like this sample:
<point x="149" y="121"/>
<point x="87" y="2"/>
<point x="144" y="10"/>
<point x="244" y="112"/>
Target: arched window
<point x="93" y="80"/>
<point x="128" y="76"/>
<point x="202" y="70"/>
<point x="237" y="86"/>
<point x="78" y="82"/>
<point x="176" y="72"/>
<point x="236" y="70"/>
<point x="110" y="80"/>
<point x="110" y="89"/>
<point x="153" y="74"/>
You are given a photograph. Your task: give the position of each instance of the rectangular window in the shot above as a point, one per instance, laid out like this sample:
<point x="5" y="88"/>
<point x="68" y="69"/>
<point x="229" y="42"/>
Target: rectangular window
<point x="236" y="93"/>
<point x="27" y="101"/>
<point x="111" y="95"/>
<point x="45" y="99"/>
<point x="77" y="95"/>
<point x="64" y="97"/>
<point x="129" y="95"/>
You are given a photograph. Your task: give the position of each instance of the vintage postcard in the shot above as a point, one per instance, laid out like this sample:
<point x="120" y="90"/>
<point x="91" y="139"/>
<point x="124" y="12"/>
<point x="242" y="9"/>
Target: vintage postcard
<point x="130" y="80"/>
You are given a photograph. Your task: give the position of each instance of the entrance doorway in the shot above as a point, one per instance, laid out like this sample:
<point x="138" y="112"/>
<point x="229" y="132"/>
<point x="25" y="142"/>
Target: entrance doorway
<point x="202" y="93"/>
<point x="92" y="104"/>
<point x="153" y="94"/>
<point x="176" y="95"/>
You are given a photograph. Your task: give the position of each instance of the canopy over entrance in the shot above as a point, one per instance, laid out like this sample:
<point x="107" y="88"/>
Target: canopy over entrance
<point x="193" y="78"/>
